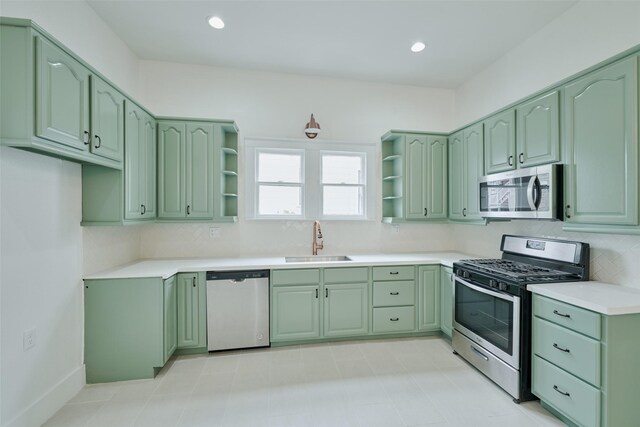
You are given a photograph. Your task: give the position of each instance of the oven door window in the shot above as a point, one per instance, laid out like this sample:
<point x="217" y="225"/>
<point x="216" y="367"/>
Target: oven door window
<point x="486" y="315"/>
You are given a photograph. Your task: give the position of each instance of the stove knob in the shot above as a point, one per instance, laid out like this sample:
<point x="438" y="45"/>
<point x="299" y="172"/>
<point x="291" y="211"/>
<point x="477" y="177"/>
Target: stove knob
<point x="466" y="274"/>
<point x="503" y="286"/>
<point x="493" y="283"/>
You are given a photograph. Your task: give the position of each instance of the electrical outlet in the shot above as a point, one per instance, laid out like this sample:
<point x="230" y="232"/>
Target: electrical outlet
<point x="214" y="232"/>
<point x="28" y="339"/>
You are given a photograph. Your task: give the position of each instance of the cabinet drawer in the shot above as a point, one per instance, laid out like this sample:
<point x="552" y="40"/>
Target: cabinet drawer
<point x="578" y="319"/>
<point x="569" y="350"/>
<point x="404" y="272"/>
<point x="346" y="275"/>
<point x="567" y="394"/>
<point x="394" y="293"/>
<point x="394" y="319"/>
<point x="296" y="277"/>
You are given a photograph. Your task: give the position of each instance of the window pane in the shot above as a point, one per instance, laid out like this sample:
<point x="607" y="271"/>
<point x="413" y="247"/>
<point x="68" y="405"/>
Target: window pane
<point x="342" y="200"/>
<point x="274" y="167"/>
<point x="279" y="200"/>
<point x="342" y="169"/>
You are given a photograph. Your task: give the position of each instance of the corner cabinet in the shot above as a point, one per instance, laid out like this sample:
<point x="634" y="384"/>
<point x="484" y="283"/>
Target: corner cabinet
<point x="414" y="177"/>
<point x="584" y="364"/>
<point x="130" y="327"/>
<point x="197" y="170"/>
<point x="52" y="103"/>
<point x="601" y="134"/>
<point x="466" y="153"/>
<point x="126" y="196"/>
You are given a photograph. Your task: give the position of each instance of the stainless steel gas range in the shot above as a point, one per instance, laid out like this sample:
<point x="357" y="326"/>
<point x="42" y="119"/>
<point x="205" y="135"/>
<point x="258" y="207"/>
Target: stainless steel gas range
<point x="492" y="307"/>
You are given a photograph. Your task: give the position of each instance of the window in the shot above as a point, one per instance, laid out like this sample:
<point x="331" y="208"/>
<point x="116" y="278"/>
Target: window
<point x="280" y="183"/>
<point x="302" y="180"/>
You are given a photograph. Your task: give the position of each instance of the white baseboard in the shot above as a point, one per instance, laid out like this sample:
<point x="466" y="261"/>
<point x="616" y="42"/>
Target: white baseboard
<point x="51" y="401"/>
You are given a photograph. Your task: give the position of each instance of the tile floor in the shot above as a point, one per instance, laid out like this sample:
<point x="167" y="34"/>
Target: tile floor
<point x="400" y="382"/>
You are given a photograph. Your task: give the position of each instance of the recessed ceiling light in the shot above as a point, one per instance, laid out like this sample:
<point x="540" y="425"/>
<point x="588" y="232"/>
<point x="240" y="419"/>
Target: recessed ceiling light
<point x="418" y="47"/>
<point x="216" y="22"/>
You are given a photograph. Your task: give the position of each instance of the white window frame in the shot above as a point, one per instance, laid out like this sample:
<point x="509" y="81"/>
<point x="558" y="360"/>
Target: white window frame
<point x="321" y="185"/>
<point x="312" y="186"/>
<point x="300" y="184"/>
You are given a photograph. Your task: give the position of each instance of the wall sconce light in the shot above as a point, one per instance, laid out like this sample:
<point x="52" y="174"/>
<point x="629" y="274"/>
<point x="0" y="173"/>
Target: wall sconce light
<point x="312" y="129"/>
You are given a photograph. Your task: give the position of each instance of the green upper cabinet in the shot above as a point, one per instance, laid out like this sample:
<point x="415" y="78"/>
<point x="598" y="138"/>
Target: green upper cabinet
<point x="107" y="116"/>
<point x="465" y="167"/>
<point x="62" y="97"/>
<point x="140" y="163"/>
<point x="197" y="170"/>
<point x="601" y="133"/>
<point x="500" y="142"/>
<point x="538" y="131"/>
<point x="426" y="177"/>
<point x="115" y="197"/>
<point x="414" y="176"/>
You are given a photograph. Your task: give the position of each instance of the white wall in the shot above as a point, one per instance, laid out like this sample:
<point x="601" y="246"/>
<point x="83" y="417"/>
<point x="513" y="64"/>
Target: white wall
<point x="41" y="284"/>
<point x="42" y="242"/>
<point x="587" y="33"/>
<point x="278" y="105"/>
<point x="584" y="35"/>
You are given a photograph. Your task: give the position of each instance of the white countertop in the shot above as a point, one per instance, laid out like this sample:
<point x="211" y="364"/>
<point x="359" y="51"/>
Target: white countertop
<point x="601" y="297"/>
<point x="165" y="268"/>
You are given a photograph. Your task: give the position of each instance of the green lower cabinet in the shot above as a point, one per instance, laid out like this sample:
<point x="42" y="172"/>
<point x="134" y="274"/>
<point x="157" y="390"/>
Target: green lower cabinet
<point x="584" y="364"/>
<point x="346" y="309"/>
<point x="130" y="327"/>
<point x="295" y="312"/>
<point x="446" y="300"/>
<point x="429" y="298"/>
<point x="192" y="311"/>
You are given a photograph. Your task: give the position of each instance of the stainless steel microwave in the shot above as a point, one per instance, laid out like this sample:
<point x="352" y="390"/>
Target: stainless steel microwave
<point x="532" y="193"/>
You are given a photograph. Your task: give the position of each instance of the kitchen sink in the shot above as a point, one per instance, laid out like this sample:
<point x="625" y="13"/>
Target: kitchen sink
<point x="317" y="258"/>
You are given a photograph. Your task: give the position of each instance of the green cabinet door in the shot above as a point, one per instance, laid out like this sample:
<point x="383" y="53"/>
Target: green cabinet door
<point x="416" y="176"/>
<point x="473" y="169"/>
<point x="601" y="134"/>
<point x="346" y="309"/>
<point x="62" y="97"/>
<point x="148" y="167"/>
<point x="446" y="300"/>
<point x="436" y="173"/>
<point x="107" y="116"/>
<point x="170" y="318"/>
<point x="134" y="162"/>
<point x="199" y="155"/>
<point x="538" y="131"/>
<point x="171" y="161"/>
<point x="456" y="171"/>
<point x="500" y="142"/>
<point x="295" y="312"/>
<point x="429" y="298"/>
<point x="192" y="316"/>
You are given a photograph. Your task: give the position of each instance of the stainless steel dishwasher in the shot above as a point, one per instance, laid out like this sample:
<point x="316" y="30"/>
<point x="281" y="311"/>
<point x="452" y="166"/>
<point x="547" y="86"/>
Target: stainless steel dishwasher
<point x="237" y="309"/>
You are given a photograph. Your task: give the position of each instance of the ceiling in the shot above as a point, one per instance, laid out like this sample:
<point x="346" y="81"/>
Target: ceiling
<point x="357" y="39"/>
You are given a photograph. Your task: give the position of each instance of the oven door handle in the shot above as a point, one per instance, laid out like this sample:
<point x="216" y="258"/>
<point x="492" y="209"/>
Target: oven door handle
<point x="506" y="297"/>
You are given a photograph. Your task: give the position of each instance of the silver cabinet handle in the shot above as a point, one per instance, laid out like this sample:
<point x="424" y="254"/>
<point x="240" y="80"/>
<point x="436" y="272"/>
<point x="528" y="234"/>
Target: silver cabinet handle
<point x="97" y="138"/>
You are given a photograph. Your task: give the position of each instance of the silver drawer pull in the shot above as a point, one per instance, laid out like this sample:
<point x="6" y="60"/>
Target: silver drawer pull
<point x="394" y="293"/>
<point x="568" y="316"/>
<point x="394" y="319"/>
<point x="564" y="393"/>
<point x="479" y="353"/>
<point x="566" y="350"/>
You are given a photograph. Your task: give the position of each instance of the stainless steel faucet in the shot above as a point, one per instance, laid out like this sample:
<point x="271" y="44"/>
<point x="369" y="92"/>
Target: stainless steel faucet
<point x="317" y="234"/>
